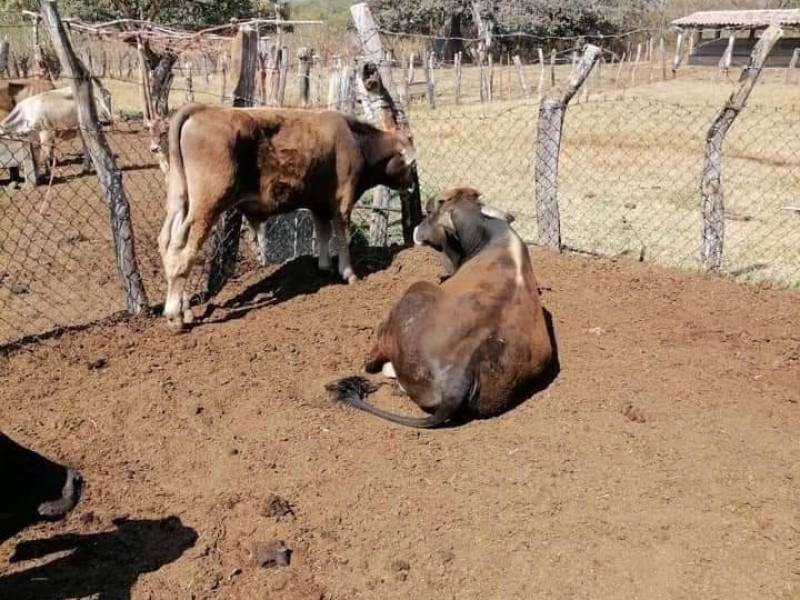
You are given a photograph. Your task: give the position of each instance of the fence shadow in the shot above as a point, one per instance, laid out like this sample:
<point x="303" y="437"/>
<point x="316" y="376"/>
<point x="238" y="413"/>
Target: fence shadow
<point x="101" y="565"/>
<point x="297" y="277"/>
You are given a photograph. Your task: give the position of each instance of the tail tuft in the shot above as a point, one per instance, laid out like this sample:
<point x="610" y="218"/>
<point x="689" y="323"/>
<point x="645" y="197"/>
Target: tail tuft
<point x="350" y="389"/>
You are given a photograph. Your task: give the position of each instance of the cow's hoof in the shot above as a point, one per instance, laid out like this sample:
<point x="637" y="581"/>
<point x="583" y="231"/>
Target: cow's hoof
<point x="176" y="324"/>
<point x="188" y="317"/>
<point x="352" y="279"/>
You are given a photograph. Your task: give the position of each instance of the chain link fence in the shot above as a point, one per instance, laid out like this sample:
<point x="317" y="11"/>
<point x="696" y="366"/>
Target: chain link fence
<point x="627" y="182"/>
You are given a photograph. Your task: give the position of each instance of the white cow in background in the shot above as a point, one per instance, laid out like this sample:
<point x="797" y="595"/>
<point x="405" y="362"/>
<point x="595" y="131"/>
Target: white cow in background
<point x="52" y="115"/>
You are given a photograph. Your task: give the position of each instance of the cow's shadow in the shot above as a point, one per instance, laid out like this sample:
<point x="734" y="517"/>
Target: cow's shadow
<point x="102" y="565"/>
<point x="297" y="277"/>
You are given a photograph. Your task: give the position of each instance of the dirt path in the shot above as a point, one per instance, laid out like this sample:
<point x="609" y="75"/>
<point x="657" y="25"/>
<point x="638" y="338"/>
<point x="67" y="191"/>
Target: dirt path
<point x="662" y="463"/>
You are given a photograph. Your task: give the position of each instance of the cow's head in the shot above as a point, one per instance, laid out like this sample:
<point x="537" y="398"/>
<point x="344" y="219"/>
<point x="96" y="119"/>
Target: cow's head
<point x="102" y="99"/>
<point x="33" y="489"/>
<point x="458" y="223"/>
<point x="399" y="171"/>
<point x="158" y="130"/>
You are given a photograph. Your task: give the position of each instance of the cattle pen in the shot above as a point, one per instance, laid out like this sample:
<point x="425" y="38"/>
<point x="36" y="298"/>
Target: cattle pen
<point x="630" y="157"/>
<point x="660" y="204"/>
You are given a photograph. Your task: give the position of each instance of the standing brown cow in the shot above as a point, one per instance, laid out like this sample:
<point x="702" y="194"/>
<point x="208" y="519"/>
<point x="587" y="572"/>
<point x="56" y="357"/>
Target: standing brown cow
<point x="268" y="161"/>
<point x="480" y="339"/>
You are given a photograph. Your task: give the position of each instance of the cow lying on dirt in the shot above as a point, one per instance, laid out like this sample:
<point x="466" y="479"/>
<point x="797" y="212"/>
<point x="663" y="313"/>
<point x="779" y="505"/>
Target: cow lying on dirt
<point x="33" y="488"/>
<point x="479" y="339"/>
<point x="54" y="114"/>
<point x="264" y="162"/>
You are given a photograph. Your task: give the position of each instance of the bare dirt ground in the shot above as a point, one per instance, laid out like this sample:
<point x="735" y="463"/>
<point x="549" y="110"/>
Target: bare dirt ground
<point x="661" y="463"/>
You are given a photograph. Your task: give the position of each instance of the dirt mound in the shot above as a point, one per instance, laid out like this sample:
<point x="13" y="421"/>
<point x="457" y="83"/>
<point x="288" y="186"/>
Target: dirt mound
<point x="661" y="463"/>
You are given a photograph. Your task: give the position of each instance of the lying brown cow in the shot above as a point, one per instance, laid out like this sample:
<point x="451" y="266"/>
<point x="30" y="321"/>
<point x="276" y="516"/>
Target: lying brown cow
<point x="268" y="161"/>
<point x="479" y="339"/>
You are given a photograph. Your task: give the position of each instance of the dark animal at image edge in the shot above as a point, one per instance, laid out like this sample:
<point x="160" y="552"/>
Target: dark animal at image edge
<point x="33" y="488"/>
<point x="265" y="162"/>
<point x="479" y="340"/>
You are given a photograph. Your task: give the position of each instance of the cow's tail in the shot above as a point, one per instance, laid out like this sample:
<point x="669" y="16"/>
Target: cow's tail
<point x="354" y="391"/>
<point x="177" y="191"/>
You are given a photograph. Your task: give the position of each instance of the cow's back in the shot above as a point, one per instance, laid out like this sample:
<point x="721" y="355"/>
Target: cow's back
<point x="13" y="92"/>
<point x="276" y="160"/>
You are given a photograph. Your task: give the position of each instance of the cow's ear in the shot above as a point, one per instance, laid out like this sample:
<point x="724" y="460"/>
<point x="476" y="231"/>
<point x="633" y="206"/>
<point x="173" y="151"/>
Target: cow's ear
<point x="446" y="221"/>
<point x="495" y="213"/>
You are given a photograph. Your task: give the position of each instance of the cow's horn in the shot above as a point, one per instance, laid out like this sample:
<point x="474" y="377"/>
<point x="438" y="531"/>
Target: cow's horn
<point x="494" y="213"/>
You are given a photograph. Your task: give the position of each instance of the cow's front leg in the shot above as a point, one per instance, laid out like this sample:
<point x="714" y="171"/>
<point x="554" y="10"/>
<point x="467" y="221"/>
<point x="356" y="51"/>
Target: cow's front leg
<point x="341" y="223"/>
<point x="322" y="230"/>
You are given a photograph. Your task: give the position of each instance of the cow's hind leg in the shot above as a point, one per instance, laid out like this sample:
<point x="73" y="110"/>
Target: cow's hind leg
<point x="322" y="230"/>
<point x="341" y="223"/>
<point x="181" y="243"/>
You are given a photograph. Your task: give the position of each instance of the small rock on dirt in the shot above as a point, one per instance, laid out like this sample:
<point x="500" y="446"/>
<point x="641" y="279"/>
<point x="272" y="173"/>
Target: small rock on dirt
<point x="97" y="364"/>
<point x="399" y="564"/>
<point x="277" y="507"/>
<point x="634" y="414"/>
<point x="270" y="554"/>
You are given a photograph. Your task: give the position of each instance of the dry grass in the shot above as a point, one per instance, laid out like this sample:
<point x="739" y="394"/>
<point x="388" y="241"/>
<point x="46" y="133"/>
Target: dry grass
<point x="630" y="166"/>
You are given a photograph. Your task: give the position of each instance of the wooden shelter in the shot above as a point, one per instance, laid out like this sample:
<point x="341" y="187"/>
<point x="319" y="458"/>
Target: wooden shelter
<point x="713" y="32"/>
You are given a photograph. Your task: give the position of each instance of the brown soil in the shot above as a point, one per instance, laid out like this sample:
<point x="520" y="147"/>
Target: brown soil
<point x="661" y="463"/>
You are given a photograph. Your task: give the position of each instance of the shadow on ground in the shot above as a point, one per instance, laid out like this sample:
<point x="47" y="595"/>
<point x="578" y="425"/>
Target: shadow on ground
<point x="102" y="565"/>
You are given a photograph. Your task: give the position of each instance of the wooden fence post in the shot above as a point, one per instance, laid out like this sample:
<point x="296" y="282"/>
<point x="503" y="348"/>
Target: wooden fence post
<point x="304" y="55"/>
<point x="284" y="75"/>
<point x="676" y="60"/>
<point x="619" y="70"/>
<point x="711" y="191"/>
<point x="540" y="90"/>
<point x="553" y="68"/>
<point x="102" y="158"/>
<point x="430" y="82"/>
<point x="373" y="52"/>
<point x="189" y="83"/>
<point x="225" y="239"/>
<point x="5" y="47"/>
<point x="727" y="56"/>
<point x="635" y="68"/>
<point x="522" y="82"/>
<point x="790" y="70"/>
<point x="551" y="120"/>
<point x="457" y="78"/>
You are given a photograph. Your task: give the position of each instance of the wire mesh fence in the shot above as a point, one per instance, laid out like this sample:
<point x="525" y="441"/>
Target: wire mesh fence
<point x="627" y="183"/>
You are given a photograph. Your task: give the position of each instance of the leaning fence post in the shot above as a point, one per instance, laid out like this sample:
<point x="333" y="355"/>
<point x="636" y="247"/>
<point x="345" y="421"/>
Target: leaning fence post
<point x="372" y="51"/>
<point x="102" y="158"/>
<point x="551" y="120"/>
<point x="225" y="239"/>
<point x="711" y="191"/>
